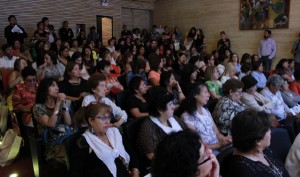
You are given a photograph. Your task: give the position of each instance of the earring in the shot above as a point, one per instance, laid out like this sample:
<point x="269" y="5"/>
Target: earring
<point x="92" y="130"/>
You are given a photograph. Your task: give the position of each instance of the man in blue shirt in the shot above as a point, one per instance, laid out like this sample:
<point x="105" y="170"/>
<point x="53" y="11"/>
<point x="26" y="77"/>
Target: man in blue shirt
<point x="267" y="50"/>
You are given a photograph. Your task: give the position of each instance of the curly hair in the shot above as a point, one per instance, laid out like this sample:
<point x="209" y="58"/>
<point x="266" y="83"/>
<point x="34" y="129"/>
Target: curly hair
<point x="248" y="127"/>
<point x="177" y="155"/>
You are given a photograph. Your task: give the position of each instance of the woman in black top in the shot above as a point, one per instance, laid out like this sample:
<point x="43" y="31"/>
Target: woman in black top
<point x="251" y="137"/>
<point x="137" y="105"/>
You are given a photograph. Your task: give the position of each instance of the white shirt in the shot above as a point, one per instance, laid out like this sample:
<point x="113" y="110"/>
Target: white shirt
<point x="117" y="111"/>
<point x="5" y="62"/>
<point x="292" y="161"/>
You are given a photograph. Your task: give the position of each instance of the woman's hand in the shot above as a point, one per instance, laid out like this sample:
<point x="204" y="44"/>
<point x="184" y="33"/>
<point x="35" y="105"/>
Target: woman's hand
<point x="224" y="140"/>
<point x="60" y="97"/>
<point x="83" y="94"/>
<point x="215" y="170"/>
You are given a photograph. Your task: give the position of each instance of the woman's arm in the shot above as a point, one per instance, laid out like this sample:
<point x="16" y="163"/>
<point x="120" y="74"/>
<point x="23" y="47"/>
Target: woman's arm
<point x="14" y="80"/>
<point x="41" y="72"/>
<point x="135" y="112"/>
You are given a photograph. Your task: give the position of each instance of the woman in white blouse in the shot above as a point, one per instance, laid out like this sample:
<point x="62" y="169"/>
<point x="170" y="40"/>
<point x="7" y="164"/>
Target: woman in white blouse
<point x="200" y="120"/>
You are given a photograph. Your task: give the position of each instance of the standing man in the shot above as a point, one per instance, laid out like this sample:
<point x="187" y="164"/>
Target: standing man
<point x="14" y="31"/>
<point x="66" y="33"/>
<point x="223" y="44"/>
<point x="267" y="50"/>
<point x="296" y="52"/>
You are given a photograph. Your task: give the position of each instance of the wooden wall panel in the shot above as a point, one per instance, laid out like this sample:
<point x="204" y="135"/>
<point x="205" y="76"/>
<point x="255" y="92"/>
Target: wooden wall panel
<point x="29" y="12"/>
<point x="218" y="15"/>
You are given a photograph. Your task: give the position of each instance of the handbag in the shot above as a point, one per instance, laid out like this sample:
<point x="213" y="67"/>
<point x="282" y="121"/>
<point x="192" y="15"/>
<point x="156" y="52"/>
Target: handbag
<point x="54" y="136"/>
<point x="10" y="147"/>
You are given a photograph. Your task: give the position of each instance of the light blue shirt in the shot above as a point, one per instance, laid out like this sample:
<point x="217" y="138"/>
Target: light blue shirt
<point x="267" y="47"/>
<point x="260" y="78"/>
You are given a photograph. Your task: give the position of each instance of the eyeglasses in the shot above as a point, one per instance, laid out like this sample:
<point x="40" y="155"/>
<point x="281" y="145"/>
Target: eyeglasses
<point x="206" y="154"/>
<point x="104" y="118"/>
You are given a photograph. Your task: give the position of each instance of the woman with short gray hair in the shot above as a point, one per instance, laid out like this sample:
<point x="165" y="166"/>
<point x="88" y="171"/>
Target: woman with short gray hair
<point x="271" y="91"/>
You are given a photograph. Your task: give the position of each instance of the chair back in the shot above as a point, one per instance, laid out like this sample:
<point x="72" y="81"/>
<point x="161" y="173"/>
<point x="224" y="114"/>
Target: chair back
<point x="223" y="157"/>
<point x="130" y="131"/>
<point x="69" y="143"/>
<point x="280" y="143"/>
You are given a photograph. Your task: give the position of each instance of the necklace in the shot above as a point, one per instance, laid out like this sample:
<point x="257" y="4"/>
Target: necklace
<point x="274" y="169"/>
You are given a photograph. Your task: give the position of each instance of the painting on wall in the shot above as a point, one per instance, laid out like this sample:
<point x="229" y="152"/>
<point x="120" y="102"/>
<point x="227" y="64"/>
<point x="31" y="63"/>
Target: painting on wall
<point x="264" y="14"/>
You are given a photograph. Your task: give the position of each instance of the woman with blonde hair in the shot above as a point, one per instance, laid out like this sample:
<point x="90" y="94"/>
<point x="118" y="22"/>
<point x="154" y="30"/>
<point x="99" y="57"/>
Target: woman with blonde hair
<point x="229" y="72"/>
<point x="212" y="82"/>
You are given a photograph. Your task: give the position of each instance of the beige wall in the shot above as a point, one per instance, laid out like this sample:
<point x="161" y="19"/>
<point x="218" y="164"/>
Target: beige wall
<point x="29" y="12"/>
<point x="215" y="16"/>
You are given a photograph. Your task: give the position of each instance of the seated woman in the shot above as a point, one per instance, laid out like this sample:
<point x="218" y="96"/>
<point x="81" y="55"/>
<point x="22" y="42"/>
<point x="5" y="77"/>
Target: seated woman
<point x="156" y="66"/>
<point x="51" y="68"/>
<point x="172" y="160"/>
<point x="160" y="123"/>
<point x="246" y="69"/>
<point x="138" y="69"/>
<point x="212" y="82"/>
<point x="190" y="75"/>
<point x="23" y="98"/>
<point x="14" y="79"/>
<point x="137" y="105"/>
<point x="88" y="60"/>
<point x="76" y="57"/>
<point x="125" y="63"/>
<point x="282" y="69"/>
<point x="271" y="91"/>
<point x="295" y="85"/>
<point x="228" y="105"/>
<point x="113" y="86"/>
<point x="251" y="98"/>
<point x="200" y="120"/>
<point x="290" y="98"/>
<point x="234" y="58"/>
<point x="292" y="161"/>
<point x="168" y="81"/>
<point x="229" y="72"/>
<point x="257" y="73"/>
<point x="49" y="112"/>
<point x="97" y="86"/>
<point x="101" y="151"/>
<point x="73" y="85"/>
<point x="64" y="56"/>
<point x="251" y="136"/>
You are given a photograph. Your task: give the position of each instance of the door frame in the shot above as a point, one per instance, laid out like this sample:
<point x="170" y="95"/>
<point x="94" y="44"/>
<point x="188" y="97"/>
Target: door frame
<point x="99" y="25"/>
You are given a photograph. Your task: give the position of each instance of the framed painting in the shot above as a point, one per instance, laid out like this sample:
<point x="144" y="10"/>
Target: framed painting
<point x="264" y="14"/>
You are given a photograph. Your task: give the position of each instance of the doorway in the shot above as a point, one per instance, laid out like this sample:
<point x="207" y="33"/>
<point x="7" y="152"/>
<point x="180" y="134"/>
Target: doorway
<point x="104" y="28"/>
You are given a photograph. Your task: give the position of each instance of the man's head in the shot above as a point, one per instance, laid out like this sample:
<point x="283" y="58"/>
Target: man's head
<point x="267" y="34"/>
<point x="7" y="50"/>
<point x="12" y="20"/>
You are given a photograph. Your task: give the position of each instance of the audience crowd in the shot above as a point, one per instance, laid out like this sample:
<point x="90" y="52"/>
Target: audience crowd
<point x="164" y="77"/>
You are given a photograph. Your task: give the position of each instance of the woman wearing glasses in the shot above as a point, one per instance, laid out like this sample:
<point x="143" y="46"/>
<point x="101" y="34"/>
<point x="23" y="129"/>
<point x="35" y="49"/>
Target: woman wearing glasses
<point x="251" y="137"/>
<point x="97" y="86"/>
<point x="100" y="150"/>
<point x="182" y="154"/>
<point x="228" y="105"/>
